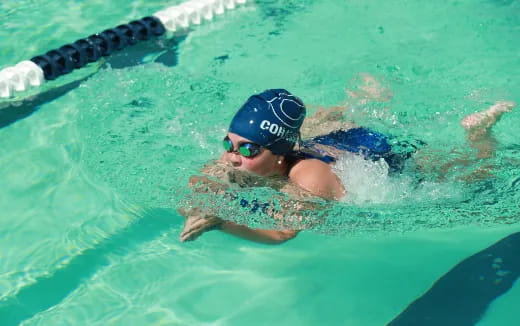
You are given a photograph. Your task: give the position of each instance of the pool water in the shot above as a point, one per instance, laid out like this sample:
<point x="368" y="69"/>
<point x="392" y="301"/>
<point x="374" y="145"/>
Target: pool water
<point x="92" y="173"/>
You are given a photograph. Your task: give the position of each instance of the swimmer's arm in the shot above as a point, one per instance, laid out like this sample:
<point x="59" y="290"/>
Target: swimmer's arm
<point x="287" y="214"/>
<point x="197" y="224"/>
<point x="313" y="176"/>
<point x="322" y="174"/>
<point x="258" y="235"/>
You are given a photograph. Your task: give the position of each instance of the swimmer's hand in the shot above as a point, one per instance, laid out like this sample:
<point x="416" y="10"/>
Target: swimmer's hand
<point x="203" y="184"/>
<point x="195" y="225"/>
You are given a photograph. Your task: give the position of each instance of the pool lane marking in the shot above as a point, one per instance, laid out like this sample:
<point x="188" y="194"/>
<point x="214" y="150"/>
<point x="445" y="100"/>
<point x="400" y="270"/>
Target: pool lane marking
<point x="461" y="296"/>
<point x="34" y="72"/>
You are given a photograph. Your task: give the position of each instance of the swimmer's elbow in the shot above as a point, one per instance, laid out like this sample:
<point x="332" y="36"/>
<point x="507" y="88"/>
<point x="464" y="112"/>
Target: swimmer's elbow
<point x="283" y="236"/>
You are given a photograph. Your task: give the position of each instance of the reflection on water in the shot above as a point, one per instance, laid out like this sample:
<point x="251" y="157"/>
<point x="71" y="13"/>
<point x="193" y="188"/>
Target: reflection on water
<point x="48" y="291"/>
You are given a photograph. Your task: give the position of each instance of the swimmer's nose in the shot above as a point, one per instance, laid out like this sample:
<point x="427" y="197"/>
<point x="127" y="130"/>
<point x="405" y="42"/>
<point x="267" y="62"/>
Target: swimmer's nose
<point x="234" y="158"/>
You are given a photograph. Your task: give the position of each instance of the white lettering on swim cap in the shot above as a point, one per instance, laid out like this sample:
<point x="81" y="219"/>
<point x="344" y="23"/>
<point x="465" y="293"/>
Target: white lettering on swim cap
<point x="264" y="125"/>
<point x="276" y="129"/>
<point x="281" y="132"/>
<point x="273" y="128"/>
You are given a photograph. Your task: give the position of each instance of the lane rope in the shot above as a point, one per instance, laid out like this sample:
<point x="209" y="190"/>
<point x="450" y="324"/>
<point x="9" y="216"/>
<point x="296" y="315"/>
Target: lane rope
<point x="63" y="60"/>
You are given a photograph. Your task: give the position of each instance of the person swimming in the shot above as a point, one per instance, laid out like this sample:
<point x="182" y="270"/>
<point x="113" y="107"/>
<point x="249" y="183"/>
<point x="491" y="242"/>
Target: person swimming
<point x="264" y="138"/>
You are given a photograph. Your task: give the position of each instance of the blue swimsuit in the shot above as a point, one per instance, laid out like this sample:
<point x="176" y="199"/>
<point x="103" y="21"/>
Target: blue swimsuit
<point x="371" y="144"/>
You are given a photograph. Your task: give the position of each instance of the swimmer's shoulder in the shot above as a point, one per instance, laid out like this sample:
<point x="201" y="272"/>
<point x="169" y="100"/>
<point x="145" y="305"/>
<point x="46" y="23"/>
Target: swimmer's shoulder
<point x="317" y="177"/>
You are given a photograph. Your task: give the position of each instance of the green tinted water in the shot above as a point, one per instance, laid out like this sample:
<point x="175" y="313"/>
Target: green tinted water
<point x="84" y="240"/>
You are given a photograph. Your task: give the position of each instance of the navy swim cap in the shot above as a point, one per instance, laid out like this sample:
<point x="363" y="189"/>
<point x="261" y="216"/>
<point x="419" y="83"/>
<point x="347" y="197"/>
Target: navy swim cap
<point x="271" y="119"/>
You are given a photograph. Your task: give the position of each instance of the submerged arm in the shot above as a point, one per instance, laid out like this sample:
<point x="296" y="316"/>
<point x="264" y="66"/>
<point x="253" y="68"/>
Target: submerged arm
<point x="288" y="212"/>
<point x="258" y="235"/>
<point x="321" y="183"/>
<point x="197" y="224"/>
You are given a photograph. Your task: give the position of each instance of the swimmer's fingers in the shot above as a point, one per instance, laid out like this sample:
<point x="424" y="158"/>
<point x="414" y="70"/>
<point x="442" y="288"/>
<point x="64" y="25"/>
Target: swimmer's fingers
<point x="191" y="230"/>
<point x="196" y="225"/>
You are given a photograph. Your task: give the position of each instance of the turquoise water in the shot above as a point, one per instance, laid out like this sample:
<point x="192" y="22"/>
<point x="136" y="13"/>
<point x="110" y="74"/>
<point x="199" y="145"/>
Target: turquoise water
<point x="89" y="233"/>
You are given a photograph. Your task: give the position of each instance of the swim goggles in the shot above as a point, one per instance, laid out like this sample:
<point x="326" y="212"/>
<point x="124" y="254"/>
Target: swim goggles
<point x="246" y="149"/>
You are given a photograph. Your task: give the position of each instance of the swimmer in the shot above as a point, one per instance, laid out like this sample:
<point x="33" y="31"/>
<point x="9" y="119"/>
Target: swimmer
<point x="264" y="139"/>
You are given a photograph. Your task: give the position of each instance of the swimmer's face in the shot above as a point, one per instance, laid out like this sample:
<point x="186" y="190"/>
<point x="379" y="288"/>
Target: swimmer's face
<point x="263" y="164"/>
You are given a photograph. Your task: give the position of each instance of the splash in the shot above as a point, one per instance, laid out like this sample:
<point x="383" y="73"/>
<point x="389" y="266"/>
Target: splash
<point x="370" y="182"/>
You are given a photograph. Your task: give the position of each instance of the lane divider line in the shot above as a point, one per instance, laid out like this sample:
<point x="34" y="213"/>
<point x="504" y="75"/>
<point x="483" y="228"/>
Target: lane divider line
<point x="63" y="60"/>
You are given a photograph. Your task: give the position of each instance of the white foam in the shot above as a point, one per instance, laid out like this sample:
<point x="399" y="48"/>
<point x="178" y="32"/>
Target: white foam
<point x="364" y="181"/>
<point x="368" y="182"/>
